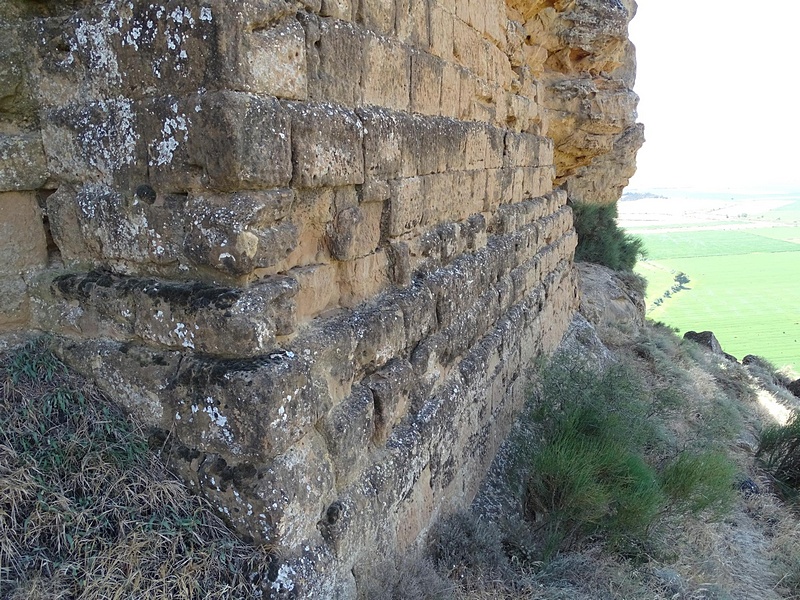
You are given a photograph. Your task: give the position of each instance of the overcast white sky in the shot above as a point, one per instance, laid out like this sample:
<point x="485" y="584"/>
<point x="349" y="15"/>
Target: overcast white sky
<point x="719" y="82"/>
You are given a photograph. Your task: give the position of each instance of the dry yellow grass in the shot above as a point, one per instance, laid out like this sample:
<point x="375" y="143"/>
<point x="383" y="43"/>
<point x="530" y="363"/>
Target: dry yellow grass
<point x="87" y="511"/>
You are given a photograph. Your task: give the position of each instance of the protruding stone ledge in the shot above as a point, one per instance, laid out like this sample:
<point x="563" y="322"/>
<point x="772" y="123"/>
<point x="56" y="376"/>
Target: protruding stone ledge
<point x="194" y="316"/>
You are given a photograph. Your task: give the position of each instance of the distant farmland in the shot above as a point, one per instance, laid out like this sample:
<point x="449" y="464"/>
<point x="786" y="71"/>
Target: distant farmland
<point x="742" y="262"/>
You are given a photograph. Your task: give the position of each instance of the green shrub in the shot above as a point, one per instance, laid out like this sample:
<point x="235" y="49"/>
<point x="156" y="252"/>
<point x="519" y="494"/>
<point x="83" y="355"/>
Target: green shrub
<point x="588" y="477"/>
<point x="600" y="239"/>
<point x="597" y="468"/>
<point x="779" y="451"/>
<point x="699" y="482"/>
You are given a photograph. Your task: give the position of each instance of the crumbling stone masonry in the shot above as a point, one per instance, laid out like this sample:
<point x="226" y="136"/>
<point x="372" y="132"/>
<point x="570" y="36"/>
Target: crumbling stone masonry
<point x="310" y="244"/>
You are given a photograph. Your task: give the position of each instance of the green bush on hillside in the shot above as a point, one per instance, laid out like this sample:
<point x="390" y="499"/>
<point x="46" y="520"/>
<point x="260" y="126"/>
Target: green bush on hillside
<point x="600" y="239"/>
<point x="779" y="450"/>
<point x="597" y="466"/>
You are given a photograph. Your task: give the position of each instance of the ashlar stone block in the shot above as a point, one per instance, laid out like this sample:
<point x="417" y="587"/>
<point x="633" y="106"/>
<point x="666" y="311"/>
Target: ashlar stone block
<point x="451" y="91"/>
<point x="338" y="9"/>
<point x="327" y="145"/>
<point x="276" y="60"/>
<point x="406" y="206"/>
<point x="355" y="231"/>
<point x="387" y="74"/>
<point x="23" y="244"/>
<point x="412" y="22"/>
<point x="315" y="292"/>
<point x="441" y="33"/>
<point x="347" y="430"/>
<point x="383" y="141"/>
<point x="240" y="233"/>
<point x="391" y="389"/>
<point x="426" y="83"/>
<point x="363" y="278"/>
<point x="378" y="15"/>
<point x="340" y="52"/>
<point x="22" y="162"/>
<point x="242" y="141"/>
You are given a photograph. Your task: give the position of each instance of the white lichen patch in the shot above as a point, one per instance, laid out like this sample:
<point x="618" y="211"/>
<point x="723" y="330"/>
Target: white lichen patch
<point x="283" y="581"/>
<point x="174" y="126"/>
<point x="219" y="422"/>
<point x="93" y="40"/>
<point x="109" y="144"/>
<point x="185" y="335"/>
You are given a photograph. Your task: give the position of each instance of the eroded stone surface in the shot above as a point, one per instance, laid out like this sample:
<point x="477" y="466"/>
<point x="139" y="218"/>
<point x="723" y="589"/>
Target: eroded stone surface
<point x="609" y="299"/>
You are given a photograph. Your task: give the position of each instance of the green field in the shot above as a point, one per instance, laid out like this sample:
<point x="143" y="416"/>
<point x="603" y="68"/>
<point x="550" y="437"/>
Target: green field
<point x="691" y="244"/>
<point x="744" y="285"/>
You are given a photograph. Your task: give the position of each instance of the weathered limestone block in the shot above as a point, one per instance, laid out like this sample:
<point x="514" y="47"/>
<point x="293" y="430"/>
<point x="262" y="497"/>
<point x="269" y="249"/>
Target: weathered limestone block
<point x="380" y="334"/>
<point x="451" y="91"/>
<point x="128" y="49"/>
<point x="383" y="140"/>
<point x="14" y="302"/>
<point x="378" y="15"/>
<point x="315" y="293"/>
<point x="339" y="9"/>
<point x="23" y="246"/>
<point x="348" y="430"/>
<point x="93" y="140"/>
<point x="387" y="73"/>
<point x="363" y="278"/>
<point x="355" y="231"/>
<point x="201" y="317"/>
<point x="23" y="165"/>
<point x="466" y="98"/>
<point x="95" y="223"/>
<point x="241" y="232"/>
<point x="468" y="48"/>
<point x="441" y="32"/>
<point x="406" y="207"/>
<point x="225" y="141"/>
<point x="426" y="81"/>
<point x="17" y="100"/>
<point x="391" y="388"/>
<point x="336" y="52"/>
<point x="242" y="142"/>
<point x="292" y="493"/>
<point x="23" y="243"/>
<point x="327" y="144"/>
<point x="276" y="59"/>
<point x="250" y="408"/>
<point x="412" y="22"/>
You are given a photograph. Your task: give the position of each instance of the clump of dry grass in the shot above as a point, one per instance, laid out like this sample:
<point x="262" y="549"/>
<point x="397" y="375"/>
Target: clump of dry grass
<point x="87" y="511"/>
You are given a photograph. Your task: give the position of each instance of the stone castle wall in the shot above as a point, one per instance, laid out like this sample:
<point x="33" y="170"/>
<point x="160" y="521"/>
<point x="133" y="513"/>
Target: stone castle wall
<point x="310" y="244"/>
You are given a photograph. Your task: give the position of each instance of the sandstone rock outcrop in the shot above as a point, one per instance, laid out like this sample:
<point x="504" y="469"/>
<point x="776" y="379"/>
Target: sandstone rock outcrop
<point x="580" y="52"/>
<point x="309" y="244"/>
<point x="610" y="299"/>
